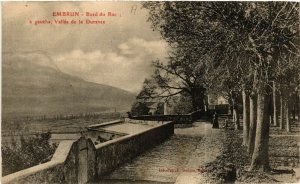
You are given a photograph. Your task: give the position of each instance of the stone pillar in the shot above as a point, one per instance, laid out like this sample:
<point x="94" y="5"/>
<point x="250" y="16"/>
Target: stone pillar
<point x="82" y="160"/>
<point x="86" y="160"/>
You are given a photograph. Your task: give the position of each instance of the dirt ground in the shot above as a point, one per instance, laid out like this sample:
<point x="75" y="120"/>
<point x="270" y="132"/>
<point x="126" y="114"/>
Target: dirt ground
<point x="283" y="155"/>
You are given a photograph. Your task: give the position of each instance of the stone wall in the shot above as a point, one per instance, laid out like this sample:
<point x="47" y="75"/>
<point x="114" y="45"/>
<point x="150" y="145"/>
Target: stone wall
<point x="128" y="147"/>
<point x="81" y="161"/>
<point x="178" y="119"/>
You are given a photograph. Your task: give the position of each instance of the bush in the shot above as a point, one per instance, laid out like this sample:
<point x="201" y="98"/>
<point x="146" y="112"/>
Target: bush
<point x="139" y="109"/>
<point x="30" y="152"/>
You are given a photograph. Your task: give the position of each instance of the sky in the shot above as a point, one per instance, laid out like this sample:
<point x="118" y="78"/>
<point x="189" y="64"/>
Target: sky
<point x="118" y="53"/>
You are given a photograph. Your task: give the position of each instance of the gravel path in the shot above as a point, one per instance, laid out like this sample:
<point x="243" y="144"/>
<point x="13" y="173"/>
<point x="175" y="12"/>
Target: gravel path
<point x="178" y="160"/>
<point x="206" y="151"/>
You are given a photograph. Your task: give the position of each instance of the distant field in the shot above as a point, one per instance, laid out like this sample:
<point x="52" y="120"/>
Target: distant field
<point x="70" y="124"/>
<point x="15" y="129"/>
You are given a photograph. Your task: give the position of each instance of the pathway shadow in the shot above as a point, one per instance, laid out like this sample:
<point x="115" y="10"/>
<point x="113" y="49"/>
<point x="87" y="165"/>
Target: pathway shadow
<point x="281" y="171"/>
<point x="122" y="181"/>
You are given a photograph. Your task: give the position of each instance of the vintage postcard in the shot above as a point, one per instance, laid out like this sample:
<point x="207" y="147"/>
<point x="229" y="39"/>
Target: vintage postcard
<point x="150" y="92"/>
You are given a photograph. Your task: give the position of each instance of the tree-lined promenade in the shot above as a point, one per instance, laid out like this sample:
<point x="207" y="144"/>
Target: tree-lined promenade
<point x="247" y="50"/>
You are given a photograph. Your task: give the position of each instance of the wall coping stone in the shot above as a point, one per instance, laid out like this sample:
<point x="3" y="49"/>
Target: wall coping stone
<point x="105" y="124"/>
<point x="59" y="157"/>
<point x="130" y="135"/>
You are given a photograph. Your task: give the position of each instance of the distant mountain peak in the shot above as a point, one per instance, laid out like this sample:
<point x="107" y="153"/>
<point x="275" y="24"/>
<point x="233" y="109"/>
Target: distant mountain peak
<point x="21" y="59"/>
<point x="33" y="85"/>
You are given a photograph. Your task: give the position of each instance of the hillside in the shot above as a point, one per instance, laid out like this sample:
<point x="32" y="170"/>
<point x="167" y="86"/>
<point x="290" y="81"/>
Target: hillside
<point x="33" y="85"/>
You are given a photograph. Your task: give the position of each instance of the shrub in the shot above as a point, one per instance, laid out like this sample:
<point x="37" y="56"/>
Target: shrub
<point x="29" y="152"/>
<point x="139" y="109"/>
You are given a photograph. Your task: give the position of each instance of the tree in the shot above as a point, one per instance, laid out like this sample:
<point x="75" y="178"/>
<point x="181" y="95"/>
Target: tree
<point x="269" y="32"/>
<point x="287" y="77"/>
<point x="275" y="120"/>
<point x="279" y="24"/>
<point x="281" y="122"/>
<point x="252" y="126"/>
<point x="180" y="102"/>
<point x="256" y="40"/>
<point x="246" y="117"/>
<point x="176" y="78"/>
<point x="190" y="69"/>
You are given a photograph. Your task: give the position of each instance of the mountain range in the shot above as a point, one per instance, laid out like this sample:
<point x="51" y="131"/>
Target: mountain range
<point x="33" y="85"/>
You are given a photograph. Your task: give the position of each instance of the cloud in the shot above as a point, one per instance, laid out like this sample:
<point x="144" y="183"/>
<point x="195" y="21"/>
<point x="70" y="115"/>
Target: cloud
<point x="125" y="68"/>
<point x="136" y="46"/>
<point x="118" y="53"/>
<point x="20" y="36"/>
<point x="78" y="61"/>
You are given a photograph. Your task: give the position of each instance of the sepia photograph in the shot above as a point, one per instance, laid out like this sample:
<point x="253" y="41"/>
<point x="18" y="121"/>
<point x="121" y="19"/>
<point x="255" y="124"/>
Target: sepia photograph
<point x="150" y="92"/>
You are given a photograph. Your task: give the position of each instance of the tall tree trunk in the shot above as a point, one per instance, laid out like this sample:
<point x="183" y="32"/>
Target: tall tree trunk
<point x="260" y="157"/>
<point x="235" y="115"/>
<point x="294" y="110"/>
<point x="287" y="114"/>
<point x="294" y="104"/>
<point x="298" y="106"/>
<point x="236" y="119"/>
<point x="252" y="127"/>
<point x="205" y="102"/>
<point x="198" y="99"/>
<point x="198" y="95"/>
<point x="281" y="112"/>
<point x="245" y="118"/>
<point x="274" y="105"/>
<point x="194" y="105"/>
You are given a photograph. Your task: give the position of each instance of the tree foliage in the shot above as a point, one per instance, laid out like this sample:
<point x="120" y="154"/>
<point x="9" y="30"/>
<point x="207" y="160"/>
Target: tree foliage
<point x="233" y="47"/>
<point x="241" y="37"/>
<point x="28" y="153"/>
<point x="139" y="109"/>
<point x="182" y="106"/>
